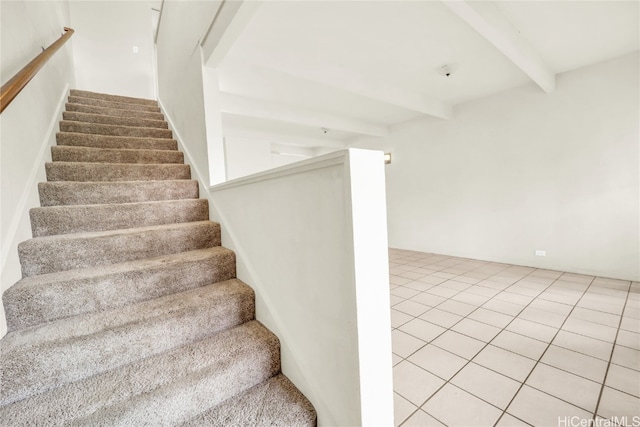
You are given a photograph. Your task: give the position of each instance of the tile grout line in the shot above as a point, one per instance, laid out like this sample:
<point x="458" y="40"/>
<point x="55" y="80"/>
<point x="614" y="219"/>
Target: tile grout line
<point x="485" y="346"/>
<point x="613" y="348"/>
<point x="542" y="355"/>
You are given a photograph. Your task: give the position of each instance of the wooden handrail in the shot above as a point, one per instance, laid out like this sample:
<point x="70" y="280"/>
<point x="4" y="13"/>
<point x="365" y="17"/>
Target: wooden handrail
<point x="12" y="88"/>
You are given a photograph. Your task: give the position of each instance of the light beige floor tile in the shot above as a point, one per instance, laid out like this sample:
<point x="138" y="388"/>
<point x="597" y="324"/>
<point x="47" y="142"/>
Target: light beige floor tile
<point x="590" y="329"/>
<point x="504" y="307"/>
<point x="569" y="299"/>
<point x="498" y="286"/>
<point x="418" y="286"/>
<point x="469" y="298"/>
<point x="422" y="419"/>
<point x="414" y="383"/>
<point x="404" y="344"/>
<point x="402" y="408"/>
<point x="628" y="339"/>
<point x="505" y="362"/>
<point x="629" y="324"/>
<point x="395" y="299"/>
<point x="601" y="306"/>
<point x="483" y="291"/>
<point x="576" y="390"/>
<point x="491" y="317"/>
<point x="594" y="316"/>
<point x="540" y="409"/>
<point x="456" y="307"/>
<point x="624" y="379"/>
<point x="520" y="344"/>
<point x="474" y="329"/>
<point x="432" y="280"/>
<point x="617" y="404"/>
<point x="455" y="407"/>
<point x="576" y="363"/>
<point x="547" y="318"/>
<point x="403" y="292"/>
<point x="532" y="330"/>
<point x="441" y="317"/>
<point x="486" y="384"/>
<point x="551" y="306"/>
<point x="511" y="421"/>
<point x="411" y="307"/>
<point x="395" y="359"/>
<point x="428" y="299"/>
<point x="525" y="289"/>
<point x="627" y="357"/>
<point x="514" y="298"/>
<point x="583" y="344"/>
<point x="421" y="329"/>
<point x="459" y="344"/>
<point x="442" y="291"/>
<point x="438" y="361"/>
<point x="413" y="275"/>
<point x="399" y="318"/>
<point x="456" y="284"/>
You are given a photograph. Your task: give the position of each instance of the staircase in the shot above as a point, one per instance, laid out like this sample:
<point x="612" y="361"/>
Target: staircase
<point x="129" y="312"/>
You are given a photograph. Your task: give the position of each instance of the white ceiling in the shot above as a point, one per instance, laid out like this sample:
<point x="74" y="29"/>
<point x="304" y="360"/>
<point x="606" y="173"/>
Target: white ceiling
<point x="358" y="67"/>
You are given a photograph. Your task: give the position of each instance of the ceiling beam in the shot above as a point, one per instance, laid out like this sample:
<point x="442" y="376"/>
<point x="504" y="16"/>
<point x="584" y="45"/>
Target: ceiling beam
<point x="240" y="105"/>
<point x="490" y="23"/>
<point x="230" y="20"/>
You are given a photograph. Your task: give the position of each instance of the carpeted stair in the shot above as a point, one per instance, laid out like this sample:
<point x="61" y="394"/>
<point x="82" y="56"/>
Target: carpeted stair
<point x="129" y="312"/>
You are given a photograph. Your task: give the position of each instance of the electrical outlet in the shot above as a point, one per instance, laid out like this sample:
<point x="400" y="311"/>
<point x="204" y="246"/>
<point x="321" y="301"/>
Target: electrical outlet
<point x="541" y="253"/>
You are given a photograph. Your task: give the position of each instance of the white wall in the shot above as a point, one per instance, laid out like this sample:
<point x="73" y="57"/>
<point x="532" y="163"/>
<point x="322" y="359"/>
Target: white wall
<point x="180" y="84"/>
<point x="310" y="239"/>
<point x="524" y="170"/>
<point x="28" y="125"/>
<point x="106" y="32"/>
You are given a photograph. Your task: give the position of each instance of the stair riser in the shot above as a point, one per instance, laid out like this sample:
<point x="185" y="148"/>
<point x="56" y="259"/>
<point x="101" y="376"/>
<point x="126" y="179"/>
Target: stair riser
<point x="114" y="105"/>
<point x="63" y="171"/>
<point x="113" y="120"/>
<point x="33" y="301"/>
<point x="79" y="219"/>
<point x="211" y="355"/>
<point x="89" y="193"/>
<point x="113" y="98"/>
<point x="66" y="252"/>
<point x="112" y="130"/>
<point x="92" y="109"/>
<point x="107" y="155"/>
<point x="166" y="327"/>
<point x="115" y="142"/>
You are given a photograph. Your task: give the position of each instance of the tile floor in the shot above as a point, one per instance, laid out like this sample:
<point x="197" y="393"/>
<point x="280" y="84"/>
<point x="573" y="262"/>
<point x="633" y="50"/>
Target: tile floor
<point x="485" y="344"/>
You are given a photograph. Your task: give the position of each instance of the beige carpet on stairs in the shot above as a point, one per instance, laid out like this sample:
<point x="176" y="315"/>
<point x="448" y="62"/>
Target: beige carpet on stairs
<point x="129" y="311"/>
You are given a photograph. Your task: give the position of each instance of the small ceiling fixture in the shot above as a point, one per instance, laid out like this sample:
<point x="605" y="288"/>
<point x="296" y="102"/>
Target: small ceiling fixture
<point x="324" y="130"/>
<point x="387" y="158"/>
<point x="447" y="70"/>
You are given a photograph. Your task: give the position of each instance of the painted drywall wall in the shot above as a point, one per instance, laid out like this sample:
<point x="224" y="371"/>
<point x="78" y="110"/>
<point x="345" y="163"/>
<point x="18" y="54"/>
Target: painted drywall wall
<point x="28" y="125"/>
<point x="312" y="245"/>
<point x="522" y="171"/>
<point x="180" y="84"/>
<point x="106" y="32"/>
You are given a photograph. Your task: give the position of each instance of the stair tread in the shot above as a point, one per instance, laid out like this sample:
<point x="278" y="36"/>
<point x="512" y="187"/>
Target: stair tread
<point x="178" y="369"/>
<point x="111" y="104"/>
<point x="114" y="130"/>
<point x="70" y="349"/>
<point x="69" y="193"/>
<point x="274" y="402"/>
<point x="48" y="254"/>
<point x="86" y="171"/>
<point x="78" y="116"/>
<point x="85" y="154"/>
<point x="94" y="109"/>
<point x="108" y="96"/>
<point x="38" y="299"/>
<point x="113" y="141"/>
<point x="55" y="220"/>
